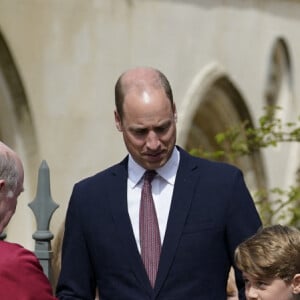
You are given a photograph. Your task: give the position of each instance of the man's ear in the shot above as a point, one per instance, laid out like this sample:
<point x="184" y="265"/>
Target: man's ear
<point x="2" y="184"/>
<point x="296" y="284"/>
<point x="118" y="121"/>
<point x="175" y="112"/>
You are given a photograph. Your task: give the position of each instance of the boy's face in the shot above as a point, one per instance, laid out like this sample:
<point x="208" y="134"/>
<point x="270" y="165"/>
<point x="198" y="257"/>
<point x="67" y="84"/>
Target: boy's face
<point x="261" y="289"/>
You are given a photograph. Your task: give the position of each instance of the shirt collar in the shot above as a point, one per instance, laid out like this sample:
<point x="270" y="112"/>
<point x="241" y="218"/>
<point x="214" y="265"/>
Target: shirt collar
<point x="167" y="171"/>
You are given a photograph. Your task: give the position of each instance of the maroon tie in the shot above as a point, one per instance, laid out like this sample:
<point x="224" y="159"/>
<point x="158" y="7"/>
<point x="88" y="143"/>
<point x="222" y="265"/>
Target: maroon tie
<point x="149" y="230"/>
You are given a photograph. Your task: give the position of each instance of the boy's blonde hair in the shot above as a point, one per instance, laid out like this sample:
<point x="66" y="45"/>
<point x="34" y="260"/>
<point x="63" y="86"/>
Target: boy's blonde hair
<point x="273" y="252"/>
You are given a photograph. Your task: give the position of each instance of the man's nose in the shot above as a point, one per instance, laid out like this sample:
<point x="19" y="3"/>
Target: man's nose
<point x="153" y="141"/>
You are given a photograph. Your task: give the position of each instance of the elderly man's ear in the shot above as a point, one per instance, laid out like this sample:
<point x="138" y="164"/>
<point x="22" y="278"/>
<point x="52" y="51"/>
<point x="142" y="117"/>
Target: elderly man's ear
<point x="296" y="284"/>
<point x="2" y="184"/>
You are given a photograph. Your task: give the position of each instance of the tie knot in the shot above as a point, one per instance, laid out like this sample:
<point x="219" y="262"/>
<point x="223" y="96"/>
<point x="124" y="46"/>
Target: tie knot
<point x="149" y="175"/>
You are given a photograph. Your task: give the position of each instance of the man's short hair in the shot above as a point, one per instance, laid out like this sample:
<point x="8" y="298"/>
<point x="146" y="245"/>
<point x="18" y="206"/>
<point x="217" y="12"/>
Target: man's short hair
<point x="120" y="91"/>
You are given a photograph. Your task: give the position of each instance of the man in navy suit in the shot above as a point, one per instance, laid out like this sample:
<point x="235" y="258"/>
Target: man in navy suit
<point x="204" y="210"/>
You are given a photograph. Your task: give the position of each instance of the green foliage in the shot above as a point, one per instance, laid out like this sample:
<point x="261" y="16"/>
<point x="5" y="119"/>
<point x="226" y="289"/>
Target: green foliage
<point x="285" y="205"/>
<point x="241" y="140"/>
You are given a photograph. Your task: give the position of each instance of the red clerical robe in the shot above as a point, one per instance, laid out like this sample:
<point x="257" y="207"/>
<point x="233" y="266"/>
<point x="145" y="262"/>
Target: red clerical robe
<point x="21" y="275"/>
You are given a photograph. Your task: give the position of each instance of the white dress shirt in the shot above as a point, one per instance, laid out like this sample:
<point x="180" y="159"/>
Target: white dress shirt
<point x="162" y="191"/>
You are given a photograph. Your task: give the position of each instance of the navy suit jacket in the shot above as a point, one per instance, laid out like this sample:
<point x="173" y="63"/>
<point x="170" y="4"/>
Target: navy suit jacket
<point x="211" y="213"/>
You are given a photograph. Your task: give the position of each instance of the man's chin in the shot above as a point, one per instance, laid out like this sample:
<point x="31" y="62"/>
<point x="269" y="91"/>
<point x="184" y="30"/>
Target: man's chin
<point x="154" y="164"/>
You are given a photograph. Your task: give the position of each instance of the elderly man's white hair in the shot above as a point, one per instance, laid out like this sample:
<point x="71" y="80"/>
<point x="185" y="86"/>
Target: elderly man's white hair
<point x="8" y="167"/>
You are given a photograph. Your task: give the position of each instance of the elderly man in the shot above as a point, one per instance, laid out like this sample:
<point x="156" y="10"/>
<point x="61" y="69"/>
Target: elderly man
<point x="21" y="275"/>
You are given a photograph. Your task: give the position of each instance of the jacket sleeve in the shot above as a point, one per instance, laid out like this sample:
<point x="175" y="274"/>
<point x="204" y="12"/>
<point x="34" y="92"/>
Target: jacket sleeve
<point x="242" y="222"/>
<point x="76" y="280"/>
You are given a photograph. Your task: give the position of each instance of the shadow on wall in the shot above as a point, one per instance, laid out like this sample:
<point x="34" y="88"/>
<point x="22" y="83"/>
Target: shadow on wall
<point x="18" y="132"/>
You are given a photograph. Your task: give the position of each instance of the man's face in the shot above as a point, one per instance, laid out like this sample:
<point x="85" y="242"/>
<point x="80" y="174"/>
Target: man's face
<point x="148" y="127"/>
<point x="267" y="289"/>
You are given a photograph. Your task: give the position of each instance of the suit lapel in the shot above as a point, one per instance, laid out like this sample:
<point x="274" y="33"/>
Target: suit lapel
<point x="118" y="204"/>
<point x="181" y="201"/>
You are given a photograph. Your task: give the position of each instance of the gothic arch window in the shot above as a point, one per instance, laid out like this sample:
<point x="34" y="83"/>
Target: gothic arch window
<point x="278" y="90"/>
<point x="17" y="130"/>
<point x="211" y="106"/>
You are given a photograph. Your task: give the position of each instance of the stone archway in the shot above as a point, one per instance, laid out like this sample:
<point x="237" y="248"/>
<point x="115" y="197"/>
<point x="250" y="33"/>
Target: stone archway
<point x="17" y="130"/>
<point x="278" y="88"/>
<point x="213" y="104"/>
<point x="278" y="92"/>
